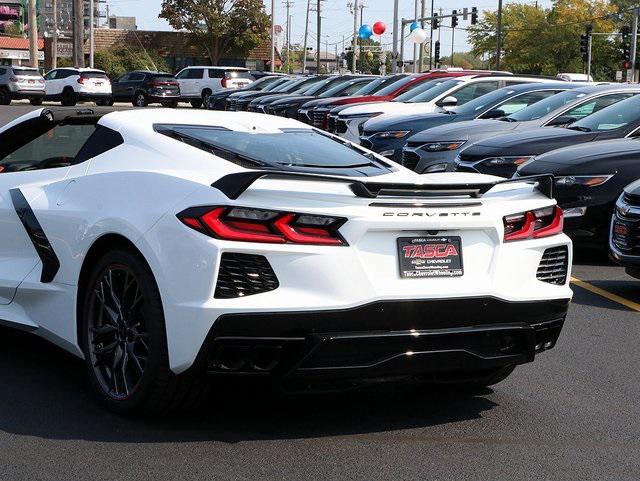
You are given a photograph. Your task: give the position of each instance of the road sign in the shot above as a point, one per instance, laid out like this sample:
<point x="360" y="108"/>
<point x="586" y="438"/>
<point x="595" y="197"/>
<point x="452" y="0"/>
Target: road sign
<point x="619" y="75"/>
<point x="465" y="13"/>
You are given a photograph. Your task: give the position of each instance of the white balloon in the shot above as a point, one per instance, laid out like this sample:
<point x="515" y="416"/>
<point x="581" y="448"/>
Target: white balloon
<point x="419" y="35"/>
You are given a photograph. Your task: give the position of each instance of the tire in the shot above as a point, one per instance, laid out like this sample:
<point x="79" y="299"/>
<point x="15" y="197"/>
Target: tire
<point x="142" y="383"/>
<point x="140" y="100"/>
<point x="69" y="98"/>
<point x="5" y="98"/>
<point x="36" y="102"/>
<point x="205" y="98"/>
<point x="196" y="104"/>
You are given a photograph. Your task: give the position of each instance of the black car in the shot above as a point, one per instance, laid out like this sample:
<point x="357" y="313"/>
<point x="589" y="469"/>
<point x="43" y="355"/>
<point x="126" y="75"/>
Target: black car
<point x="438" y="147"/>
<point x="387" y="135"/>
<point x="217" y="100"/>
<point x="144" y="87"/>
<point x="289" y="106"/>
<point x="589" y="179"/>
<point x="239" y="101"/>
<point x="624" y="240"/>
<point x="503" y="154"/>
<point x="312" y="91"/>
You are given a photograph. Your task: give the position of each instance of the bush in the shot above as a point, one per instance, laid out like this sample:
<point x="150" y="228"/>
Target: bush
<point x="118" y="60"/>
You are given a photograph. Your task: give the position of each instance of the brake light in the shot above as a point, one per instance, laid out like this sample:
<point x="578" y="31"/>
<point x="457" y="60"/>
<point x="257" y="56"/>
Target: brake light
<point x="325" y="121"/>
<point x="155" y="83"/>
<point x="224" y="83"/>
<point x="533" y="224"/>
<point x="244" y="224"/>
<point x="81" y="80"/>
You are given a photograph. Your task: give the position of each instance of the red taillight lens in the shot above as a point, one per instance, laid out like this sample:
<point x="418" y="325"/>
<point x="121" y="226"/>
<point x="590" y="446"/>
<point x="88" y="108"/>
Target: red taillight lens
<point x="224" y="82"/>
<point x="81" y="80"/>
<point x="257" y="225"/>
<point x="533" y="224"/>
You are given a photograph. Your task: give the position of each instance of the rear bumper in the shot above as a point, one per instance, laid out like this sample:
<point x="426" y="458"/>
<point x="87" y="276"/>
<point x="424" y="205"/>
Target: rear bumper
<point x="384" y="339"/>
<point x="27" y="94"/>
<point x="89" y="96"/>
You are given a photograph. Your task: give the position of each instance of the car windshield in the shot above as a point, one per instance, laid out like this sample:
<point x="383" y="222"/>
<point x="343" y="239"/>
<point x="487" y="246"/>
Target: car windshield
<point x="372" y="87"/>
<point x="441" y="87"/>
<point x="484" y="102"/>
<point x="290" y="148"/>
<point x="26" y="72"/>
<point x="389" y="89"/>
<point x="546" y="106"/>
<point x="417" y="89"/>
<point x="313" y="87"/>
<point x="613" y="117"/>
<point x="162" y="77"/>
<point x="273" y="86"/>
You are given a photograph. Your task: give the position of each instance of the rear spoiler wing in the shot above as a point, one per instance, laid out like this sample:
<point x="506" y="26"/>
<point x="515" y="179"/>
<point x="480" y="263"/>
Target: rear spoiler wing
<point x="233" y="185"/>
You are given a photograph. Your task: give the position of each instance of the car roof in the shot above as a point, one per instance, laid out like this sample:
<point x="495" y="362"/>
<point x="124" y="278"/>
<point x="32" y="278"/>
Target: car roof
<point x="216" y="67"/>
<point x="542" y="85"/>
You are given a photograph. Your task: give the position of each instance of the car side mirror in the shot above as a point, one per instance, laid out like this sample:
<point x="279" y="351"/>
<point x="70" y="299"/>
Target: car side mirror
<point x="449" y="101"/>
<point x="494" y="114"/>
<point x="562" y="121"/>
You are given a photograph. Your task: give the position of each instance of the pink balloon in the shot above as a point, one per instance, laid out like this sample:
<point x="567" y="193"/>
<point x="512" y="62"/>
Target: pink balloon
<point x="379" y="28"/>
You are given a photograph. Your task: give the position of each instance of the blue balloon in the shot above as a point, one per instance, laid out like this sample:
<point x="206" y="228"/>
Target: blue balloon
<point x="365" y="32"/>
<point x="413" y="26"/>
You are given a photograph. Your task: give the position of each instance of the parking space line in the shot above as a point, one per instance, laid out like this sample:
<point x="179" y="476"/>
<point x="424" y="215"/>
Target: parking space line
<point x="606" y="294"/>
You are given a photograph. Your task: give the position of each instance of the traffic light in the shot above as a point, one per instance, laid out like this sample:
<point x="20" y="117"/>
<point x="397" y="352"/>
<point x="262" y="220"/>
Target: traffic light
<point x="584" y="46"/>
<point x="474" y="15"/>
<point x="436" y="53"/>
<point x="626" y="44"/>
<point x="435" y="22"/>
<point x="454" y="19"/>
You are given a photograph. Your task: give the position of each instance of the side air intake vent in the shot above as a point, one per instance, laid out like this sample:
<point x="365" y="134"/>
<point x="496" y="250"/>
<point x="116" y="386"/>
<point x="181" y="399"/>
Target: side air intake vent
<point x="553" y="266"/>
<point x="244" y="275"/>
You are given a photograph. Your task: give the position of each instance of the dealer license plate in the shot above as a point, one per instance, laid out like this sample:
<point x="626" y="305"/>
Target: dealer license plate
<point x="430" y="256"/>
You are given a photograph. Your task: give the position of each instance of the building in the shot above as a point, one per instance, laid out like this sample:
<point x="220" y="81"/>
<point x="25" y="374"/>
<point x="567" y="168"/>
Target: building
<point x="12" y="16"/>
<point x="65" y="16"/>
<point x="123" y="23"/>
<point x="15" y="51"/>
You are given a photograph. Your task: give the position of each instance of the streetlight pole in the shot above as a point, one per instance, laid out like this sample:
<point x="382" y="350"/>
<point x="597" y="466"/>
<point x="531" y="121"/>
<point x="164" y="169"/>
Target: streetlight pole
<point x="91" y="40"/>
<point x="394" y="63"/>
<point x="421" y="46"/>
<point x="318" y="40"/>
<point x="33" y="34"/>
<point x="273" y="35"/>
<point x="54" y="35"/>
<point x="415" y="45"/>
<point x="499" y="35"/>
<point x="634" y="43"/>
<point x="431" y="38"/>
<point x="306" y="34"/>
<point x="355" y="35"/>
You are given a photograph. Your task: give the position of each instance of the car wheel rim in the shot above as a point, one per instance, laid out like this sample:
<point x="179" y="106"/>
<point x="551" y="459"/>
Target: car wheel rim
<point x="118" y="337"/>
<point x="140" y="101"/>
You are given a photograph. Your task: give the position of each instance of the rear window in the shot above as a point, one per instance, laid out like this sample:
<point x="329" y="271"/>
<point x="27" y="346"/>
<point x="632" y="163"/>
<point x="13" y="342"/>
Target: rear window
<point x="388" y="90"/>
<point x="420" y="89"/>
<point x="26" y="72"/>
<point x="239" y="74"/>
<point x="440" y="87"/>
<point x="98" y="75"/>
<point x="162" y="77"/>
<point x="546" y="106"/>
<point x="296" y="149"/>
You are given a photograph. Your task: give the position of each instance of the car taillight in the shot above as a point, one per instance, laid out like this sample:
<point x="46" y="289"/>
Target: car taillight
<point x="243" y="224"/>
<point x="81" y="80"/>
<point x="224" y="82"/>
<point x="533" y="224"/>
<point x="14" y="79"/>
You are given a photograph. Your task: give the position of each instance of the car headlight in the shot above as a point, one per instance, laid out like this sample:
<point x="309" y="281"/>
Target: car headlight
<point x="583" y="180"/>
<point x="503" y="161"/>
<point x="437" y="168"/>
<point x="392" y="134"/>
<point x="442" y="146"/>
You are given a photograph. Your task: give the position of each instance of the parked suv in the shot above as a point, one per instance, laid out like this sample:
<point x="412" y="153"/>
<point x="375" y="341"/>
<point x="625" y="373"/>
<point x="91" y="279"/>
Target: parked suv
<point x="71" y="85"/>
<point x="21" y="83"/>
<point x="144" y="87"/>
<point x="198" y="83"/>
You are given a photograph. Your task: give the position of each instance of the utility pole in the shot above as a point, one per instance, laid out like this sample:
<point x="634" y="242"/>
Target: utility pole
<point x="91" y="41"/>
<point x="78" y="33"/>
<point x="401" y="59"/>
<point x="326" y="55"/>
<point x="499" y="35"/>
<point x="421" y="57"/>
<point x="634" y="43"/>
<point x="394" y="55"/>
<point x="33" y="34"/>
<point x="288" y="4"/>
<point x="590" y="41"/>
<point x="355" y="35"/>
<point x="54" y="35"/>
<point x="415" y="45"/>
<point x="431" y="39"/>
<point x="273" y="35"/>
<point x="319" y="39"/>
<point x="306" y="33"/>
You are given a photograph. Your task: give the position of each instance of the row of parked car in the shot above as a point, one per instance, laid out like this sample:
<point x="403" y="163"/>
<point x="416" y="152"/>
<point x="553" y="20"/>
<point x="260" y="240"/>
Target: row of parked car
<point x="70" y="85"/>
<point x="494" y="123"/>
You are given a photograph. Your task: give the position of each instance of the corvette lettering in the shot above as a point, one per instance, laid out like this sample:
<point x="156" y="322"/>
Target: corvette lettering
<point x="429" y="251"/>
<point x="430" y="214"/>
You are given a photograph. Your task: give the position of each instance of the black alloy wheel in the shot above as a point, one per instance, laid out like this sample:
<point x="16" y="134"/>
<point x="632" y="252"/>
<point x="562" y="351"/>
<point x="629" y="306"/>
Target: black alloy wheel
<point x="123" y="337"/>
<point x="117" y="330"/>
<point x="140" y="100"/>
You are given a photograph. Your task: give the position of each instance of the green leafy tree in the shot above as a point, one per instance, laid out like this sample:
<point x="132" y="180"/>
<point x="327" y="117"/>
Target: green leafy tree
<point x="369" y="59"/>
<point x="547" y="40"/>
<point x="466" y="60"/>
<point x="118" y="60"/>
<point x="222" y="27"/>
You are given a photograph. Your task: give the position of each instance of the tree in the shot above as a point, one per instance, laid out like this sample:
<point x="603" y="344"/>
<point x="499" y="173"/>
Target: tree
<point x="118" y="60"/>
<point x="222" y="27"/>
<point x="547" y="41"/>
<point x="466" y="60"/>
<point x="369" y="59"/>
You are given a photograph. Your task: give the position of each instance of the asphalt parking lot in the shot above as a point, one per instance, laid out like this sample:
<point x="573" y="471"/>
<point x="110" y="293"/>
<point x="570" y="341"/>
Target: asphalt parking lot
<point x="574" y="414"/>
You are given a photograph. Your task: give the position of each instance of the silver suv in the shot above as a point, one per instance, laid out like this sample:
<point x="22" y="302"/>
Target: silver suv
<point x="21" y="83"/>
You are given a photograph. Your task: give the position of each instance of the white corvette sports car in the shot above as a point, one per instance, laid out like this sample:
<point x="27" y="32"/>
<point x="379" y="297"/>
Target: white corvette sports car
<point x="169" y="247"/>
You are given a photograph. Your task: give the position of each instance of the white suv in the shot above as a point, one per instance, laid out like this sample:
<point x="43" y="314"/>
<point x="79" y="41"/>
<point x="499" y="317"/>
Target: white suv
<point x="71" y="85"/>
<point x="21" y="83"/>
<point x="198" y="83"/>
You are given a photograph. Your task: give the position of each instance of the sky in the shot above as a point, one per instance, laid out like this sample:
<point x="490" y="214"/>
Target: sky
<point x="337" y="20"/>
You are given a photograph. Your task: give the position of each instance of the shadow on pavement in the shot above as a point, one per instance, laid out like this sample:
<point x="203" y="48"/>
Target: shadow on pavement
<point x="44" y="394"/>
